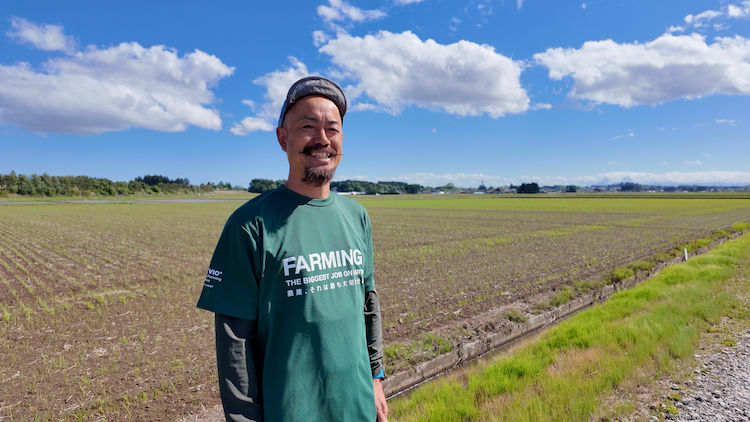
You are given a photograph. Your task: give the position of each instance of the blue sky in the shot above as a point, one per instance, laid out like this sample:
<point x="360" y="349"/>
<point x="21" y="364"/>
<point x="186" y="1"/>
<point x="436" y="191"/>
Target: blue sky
<point x="556" y="92"/>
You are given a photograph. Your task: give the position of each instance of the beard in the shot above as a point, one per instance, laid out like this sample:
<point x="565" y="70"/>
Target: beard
<point x="317" y="177"/>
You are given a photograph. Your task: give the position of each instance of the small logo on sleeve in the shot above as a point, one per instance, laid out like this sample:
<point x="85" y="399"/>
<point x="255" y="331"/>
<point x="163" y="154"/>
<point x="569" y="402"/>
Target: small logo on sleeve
<point x="212" y="276"/>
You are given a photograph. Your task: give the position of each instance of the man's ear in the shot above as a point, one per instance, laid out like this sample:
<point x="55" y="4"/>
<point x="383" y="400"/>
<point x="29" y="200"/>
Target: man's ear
<point x="281" y="136"/>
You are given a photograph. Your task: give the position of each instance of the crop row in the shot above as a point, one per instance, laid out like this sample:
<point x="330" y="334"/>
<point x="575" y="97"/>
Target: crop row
<point x="440" y="265"/>
<point x="97" y="301"/>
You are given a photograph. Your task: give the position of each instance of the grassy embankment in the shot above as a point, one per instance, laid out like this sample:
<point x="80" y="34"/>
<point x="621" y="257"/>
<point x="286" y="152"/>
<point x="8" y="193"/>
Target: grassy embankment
<point x="636" y="335"/>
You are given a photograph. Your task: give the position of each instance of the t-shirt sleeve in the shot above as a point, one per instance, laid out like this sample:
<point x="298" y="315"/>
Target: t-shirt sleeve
<point x="231" y="285"/>
<point x="369" y="269"/>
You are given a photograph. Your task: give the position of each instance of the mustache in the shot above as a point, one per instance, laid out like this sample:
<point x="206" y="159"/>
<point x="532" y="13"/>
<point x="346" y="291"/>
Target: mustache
<point x="310" y="148"/>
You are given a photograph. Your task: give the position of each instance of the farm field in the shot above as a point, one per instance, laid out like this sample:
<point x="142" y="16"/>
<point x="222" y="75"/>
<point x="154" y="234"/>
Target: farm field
<point x="97" y="307"/>
<point x="600" y="363"/>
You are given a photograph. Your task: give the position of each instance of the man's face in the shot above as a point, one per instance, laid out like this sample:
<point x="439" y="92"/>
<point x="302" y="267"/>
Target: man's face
<point x="312" y="138"/>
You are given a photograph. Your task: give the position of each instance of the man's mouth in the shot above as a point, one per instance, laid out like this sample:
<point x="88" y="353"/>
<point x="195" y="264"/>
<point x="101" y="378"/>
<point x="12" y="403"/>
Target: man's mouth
<point x="319" y="153"/>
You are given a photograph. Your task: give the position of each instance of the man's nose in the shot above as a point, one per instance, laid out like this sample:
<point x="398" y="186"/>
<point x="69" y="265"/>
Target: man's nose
<point x="321" y="138"/>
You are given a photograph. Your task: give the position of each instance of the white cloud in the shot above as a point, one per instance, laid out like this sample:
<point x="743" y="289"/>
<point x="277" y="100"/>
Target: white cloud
<point x="44" y="37"/>
<point x="540" y="106"/>
<point x="693" y="163"/>
<point x="702" y="18"/>
<point x="665" y="69"/>
<point x="277" y="84"/>
<point x="583" y="6"/>
<point x="340" y="10"/>
<point x="725" y="121"/>
<point x="251" y="124"/>
<point x="320" y="38"/>
<point x="115" y="88"/>
<point x="519" y="4"/>
<point x="457" y="179"/>
<point x="454" y="22"/>
<point x="404" y="2"/>
<point x="360" y="106"/>
<point x="714" y="178"/>
<point x="732" y="11"/>
<point x="738" y="12"/>
<point x="630" y="133"/>
<point x="710" y="178"/>
<point x="720" y="26"/>
<point x="675" y="28"/>
<point x="485" y="9"/>
<point x="397" y="70"/>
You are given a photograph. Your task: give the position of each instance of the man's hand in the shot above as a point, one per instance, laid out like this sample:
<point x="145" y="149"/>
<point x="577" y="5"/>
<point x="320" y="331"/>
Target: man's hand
<point x="380" y="404"/>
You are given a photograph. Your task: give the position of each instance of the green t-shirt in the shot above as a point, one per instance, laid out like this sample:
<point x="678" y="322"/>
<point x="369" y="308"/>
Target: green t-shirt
<point x="300" y="267"/>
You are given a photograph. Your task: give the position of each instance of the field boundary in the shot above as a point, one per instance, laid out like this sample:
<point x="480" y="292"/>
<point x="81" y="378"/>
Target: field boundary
<point x="403" y="381"/>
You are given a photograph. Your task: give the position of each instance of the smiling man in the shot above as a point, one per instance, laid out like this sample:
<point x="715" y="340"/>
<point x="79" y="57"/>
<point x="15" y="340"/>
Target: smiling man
<point x="298" y="331"/>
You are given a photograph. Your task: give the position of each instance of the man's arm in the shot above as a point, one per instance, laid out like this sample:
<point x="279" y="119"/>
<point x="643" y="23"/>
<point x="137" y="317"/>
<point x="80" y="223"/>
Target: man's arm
<point x="238" y="379"/>
<point x="374" y="332"/>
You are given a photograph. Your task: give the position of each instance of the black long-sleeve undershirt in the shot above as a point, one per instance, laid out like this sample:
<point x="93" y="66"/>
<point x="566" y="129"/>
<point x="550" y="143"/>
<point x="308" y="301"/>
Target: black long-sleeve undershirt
<point x="238" y="376"/>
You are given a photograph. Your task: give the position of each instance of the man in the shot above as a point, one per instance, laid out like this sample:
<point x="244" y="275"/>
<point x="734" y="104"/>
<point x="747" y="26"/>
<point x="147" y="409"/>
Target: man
<point x="298" y="333"/>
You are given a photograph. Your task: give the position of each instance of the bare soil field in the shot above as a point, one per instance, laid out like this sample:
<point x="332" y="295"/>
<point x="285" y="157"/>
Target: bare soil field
<point x="97" y="305"/>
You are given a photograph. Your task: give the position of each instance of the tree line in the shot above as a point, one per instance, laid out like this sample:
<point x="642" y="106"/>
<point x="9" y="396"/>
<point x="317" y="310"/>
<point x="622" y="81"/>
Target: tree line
<point x="370" y="188"/>
<point x="46" y="185"/>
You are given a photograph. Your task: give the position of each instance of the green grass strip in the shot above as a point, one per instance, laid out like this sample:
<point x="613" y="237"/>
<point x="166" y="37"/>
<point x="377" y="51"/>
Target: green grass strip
<point x="635" y="335"/>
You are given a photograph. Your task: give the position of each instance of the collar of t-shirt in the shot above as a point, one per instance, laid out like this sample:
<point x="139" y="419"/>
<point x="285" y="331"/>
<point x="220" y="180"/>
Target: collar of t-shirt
<point x="302" y="199"/>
